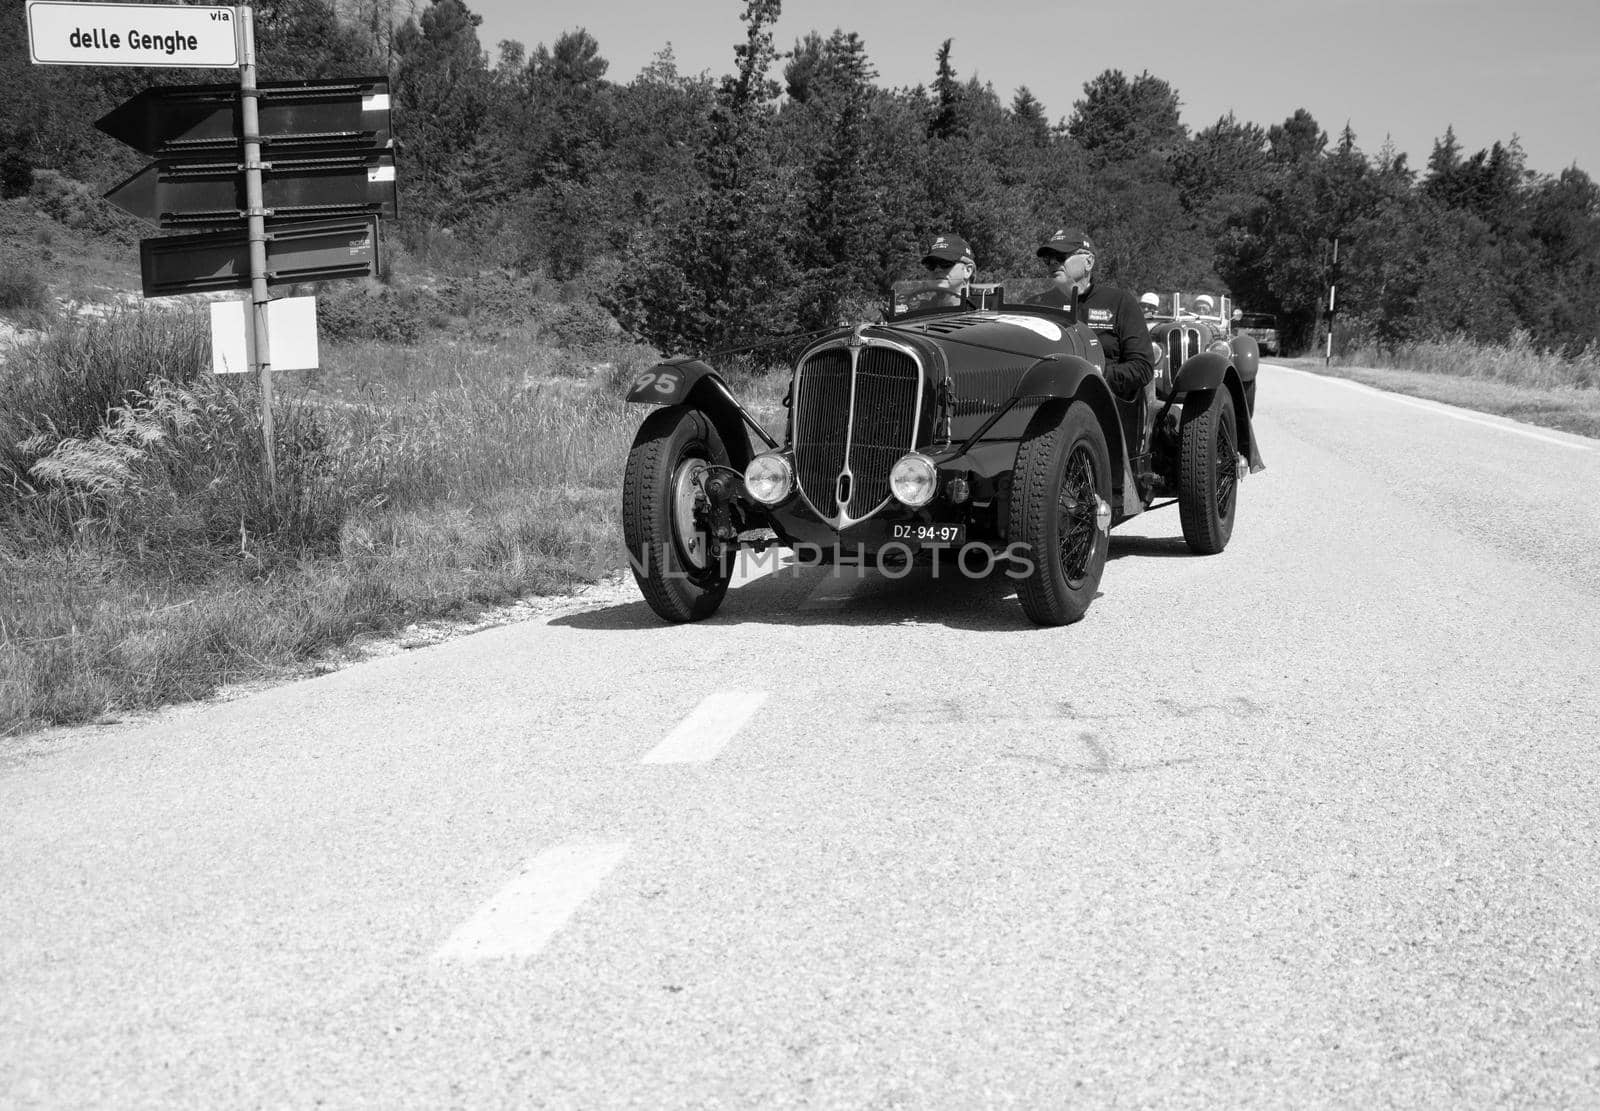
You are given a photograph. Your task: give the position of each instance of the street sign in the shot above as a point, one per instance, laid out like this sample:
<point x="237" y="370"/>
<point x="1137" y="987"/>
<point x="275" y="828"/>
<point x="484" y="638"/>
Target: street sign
<point x="310" y="251"/>
<point x="295" y="116"/>
<point x="182" y="194"/>
<point x="292" y="321"/>
<point x="71" y="34"/>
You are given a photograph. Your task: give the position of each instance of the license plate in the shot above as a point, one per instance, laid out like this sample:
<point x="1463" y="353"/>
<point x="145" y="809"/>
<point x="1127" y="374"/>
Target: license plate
<point x="918" y="532"/>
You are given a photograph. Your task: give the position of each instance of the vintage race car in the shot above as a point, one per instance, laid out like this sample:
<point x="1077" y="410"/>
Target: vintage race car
<point x="983" y="436"/>
<point x="1189" y="323"/>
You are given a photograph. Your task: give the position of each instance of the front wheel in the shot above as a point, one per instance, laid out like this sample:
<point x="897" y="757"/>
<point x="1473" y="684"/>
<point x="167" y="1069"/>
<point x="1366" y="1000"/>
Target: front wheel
<point x="1208" y="472"/>
<point x="1061" y="512"/>
<point x="681" y="572"/>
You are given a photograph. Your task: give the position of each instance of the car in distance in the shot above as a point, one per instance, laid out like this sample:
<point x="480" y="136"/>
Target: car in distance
<point x="1259" y="326"/>
<point x="973" y="428"/>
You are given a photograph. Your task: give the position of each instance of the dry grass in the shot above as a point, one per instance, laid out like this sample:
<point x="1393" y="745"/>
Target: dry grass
<point x="1546" y="388"/>
<point x="144" y="559"/>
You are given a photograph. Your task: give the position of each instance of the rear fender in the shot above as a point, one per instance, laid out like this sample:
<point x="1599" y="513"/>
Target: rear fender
<point x="686" y="381"/>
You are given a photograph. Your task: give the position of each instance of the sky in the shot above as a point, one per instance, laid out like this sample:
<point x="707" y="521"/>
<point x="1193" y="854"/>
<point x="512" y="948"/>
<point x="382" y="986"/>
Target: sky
<point x="1398" y="69"/>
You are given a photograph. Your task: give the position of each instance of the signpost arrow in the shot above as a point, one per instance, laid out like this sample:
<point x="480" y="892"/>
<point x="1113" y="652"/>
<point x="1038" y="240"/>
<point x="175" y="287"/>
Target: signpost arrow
<point x="295" y="116"/>
<point x="179" y="194"/>
<point x="309" y="251"/>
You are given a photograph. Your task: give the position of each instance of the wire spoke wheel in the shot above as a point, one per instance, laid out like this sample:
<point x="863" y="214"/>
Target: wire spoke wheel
<point x="1079" y="509"/>
<point x="1060" y="512"/>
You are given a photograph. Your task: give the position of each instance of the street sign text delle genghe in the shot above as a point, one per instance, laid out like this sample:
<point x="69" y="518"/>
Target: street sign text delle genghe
<point x="131" y="34"/>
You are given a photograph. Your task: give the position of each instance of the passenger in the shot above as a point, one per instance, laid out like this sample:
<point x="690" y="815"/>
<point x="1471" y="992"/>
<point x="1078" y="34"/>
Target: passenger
<point x="1110" y="311"/>
<point x="951" y="266"/>
<point x="1151" y="304"/>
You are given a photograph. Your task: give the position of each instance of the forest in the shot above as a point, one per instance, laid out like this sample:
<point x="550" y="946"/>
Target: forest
<point x="704" y="212"/>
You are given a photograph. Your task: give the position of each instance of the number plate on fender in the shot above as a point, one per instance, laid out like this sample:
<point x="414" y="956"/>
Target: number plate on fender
<point x="921" y="532"/>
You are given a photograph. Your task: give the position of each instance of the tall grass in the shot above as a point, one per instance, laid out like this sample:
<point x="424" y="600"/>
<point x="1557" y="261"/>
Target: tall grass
<point x="145" y="558"/>
<point x="1518" y="363"/>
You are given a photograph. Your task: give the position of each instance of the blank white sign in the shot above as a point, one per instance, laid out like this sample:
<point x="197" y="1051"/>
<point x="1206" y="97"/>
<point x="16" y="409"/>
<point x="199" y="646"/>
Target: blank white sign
<point x="291" y="335"/>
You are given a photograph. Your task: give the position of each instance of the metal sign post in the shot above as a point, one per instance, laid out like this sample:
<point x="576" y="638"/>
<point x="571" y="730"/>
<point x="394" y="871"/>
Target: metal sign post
<point x="1333" y="280"/>
<point x="256" y="232"/>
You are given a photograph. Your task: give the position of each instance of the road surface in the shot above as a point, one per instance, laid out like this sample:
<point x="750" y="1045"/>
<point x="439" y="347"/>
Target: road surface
<point x="1309" y="823"/>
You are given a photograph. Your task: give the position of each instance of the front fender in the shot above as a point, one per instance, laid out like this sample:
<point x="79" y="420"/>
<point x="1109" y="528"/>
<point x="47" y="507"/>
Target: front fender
<point x="1055" y="376"/>
<point x="1205" y="371"/>
<point x="686" y="381"/>
<point x="1072" y="378"/>
<point x="1213" y="371"/>
<point x="669" y="382"/>
<point x="1246" y="356"/>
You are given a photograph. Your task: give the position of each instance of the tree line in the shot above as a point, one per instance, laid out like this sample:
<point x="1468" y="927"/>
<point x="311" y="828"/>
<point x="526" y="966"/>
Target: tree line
<point x="708" y="212"/>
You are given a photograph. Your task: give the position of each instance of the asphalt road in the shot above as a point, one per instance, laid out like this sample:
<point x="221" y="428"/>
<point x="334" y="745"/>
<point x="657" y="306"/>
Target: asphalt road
<point x="1309" y="823"/>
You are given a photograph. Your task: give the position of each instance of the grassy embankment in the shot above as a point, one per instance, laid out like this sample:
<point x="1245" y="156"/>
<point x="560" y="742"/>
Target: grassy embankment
<point x="144" y="559"/>
<point x="1515" y="380"/>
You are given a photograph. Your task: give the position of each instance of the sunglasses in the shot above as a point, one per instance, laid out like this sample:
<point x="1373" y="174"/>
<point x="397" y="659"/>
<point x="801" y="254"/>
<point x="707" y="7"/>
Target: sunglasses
<point x="933" y="264"/>
<point x="1056" y="258"/>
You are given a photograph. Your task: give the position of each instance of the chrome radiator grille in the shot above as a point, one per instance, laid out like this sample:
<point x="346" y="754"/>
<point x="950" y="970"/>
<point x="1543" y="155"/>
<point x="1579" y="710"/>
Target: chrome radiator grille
<point x="855" y="413"/>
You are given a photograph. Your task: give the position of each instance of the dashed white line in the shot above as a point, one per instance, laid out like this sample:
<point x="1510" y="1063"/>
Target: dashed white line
<point x="1435" y="407"/>
<point x="528" y="911"/>
<point x="710" y="726"/>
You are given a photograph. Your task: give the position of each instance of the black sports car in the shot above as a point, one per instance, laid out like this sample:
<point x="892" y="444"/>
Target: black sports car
<point x="964" y="426"/>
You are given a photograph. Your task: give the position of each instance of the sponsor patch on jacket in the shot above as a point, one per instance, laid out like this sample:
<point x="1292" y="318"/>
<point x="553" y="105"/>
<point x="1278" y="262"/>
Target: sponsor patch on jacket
<point x="1100" y="318"/>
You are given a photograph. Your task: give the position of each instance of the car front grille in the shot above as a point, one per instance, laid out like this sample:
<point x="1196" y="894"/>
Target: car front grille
<point x="882" y="386"/>
<point x="1181" y="344"/>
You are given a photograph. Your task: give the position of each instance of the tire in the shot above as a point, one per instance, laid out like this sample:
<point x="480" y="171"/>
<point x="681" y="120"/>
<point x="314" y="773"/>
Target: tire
<point x="1061" y="511"/>
<point x="670" y="558"/>
<point x="1208" y="471"/>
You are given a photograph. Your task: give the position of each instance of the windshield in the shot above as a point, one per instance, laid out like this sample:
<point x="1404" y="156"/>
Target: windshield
<point x="1257" y="320"/>
<point x="922" y="295"/>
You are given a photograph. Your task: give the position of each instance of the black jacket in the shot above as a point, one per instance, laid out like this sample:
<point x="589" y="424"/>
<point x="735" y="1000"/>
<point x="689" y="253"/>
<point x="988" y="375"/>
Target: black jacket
<point x="1116" y="317"/>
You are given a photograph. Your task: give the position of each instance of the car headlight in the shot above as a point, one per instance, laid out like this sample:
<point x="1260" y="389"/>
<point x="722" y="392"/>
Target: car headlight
<point x="914" y="479"/>
<point x="769" y="478"/>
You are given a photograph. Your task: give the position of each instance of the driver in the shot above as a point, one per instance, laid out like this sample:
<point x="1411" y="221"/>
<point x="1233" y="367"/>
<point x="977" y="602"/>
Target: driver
<point x="1151" y="306"/>
<point x="950" y="265"/>
<point x="1111" y="312"/>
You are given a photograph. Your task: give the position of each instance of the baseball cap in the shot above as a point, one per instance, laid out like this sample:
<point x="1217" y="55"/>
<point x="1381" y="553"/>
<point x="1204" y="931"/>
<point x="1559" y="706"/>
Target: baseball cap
<point x="948" y="248"/>
<point x="1065" y="241"/>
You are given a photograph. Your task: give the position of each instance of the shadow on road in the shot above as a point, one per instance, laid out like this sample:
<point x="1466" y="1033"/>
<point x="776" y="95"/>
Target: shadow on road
<point x="800" y="597"/>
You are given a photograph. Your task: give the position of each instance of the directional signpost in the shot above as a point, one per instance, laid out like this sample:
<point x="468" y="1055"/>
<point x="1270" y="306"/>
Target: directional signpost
<point x="288" y="180"/>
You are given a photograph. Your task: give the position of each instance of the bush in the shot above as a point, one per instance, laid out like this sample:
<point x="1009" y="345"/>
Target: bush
<point x="22" y="287"/>
<point x="78" y="206"/>
<point x="355" y="312"/>
<point x="581" y="327"/>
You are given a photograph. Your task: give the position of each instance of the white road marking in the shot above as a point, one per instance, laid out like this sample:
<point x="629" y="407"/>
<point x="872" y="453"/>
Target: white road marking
<point x="527" y="912"/>
<point x="711" y="725"/>
<point x="1435" y="407"/>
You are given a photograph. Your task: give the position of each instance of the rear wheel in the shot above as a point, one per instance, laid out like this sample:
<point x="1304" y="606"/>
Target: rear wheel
<point x="1208" y="471"/>
<point x="1061" y="512"/>
<point x="664" y="515"/>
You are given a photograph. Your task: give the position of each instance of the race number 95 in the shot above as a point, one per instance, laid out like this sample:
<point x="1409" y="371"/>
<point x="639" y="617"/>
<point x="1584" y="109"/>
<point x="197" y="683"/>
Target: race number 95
<point x="662" y="381"/>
